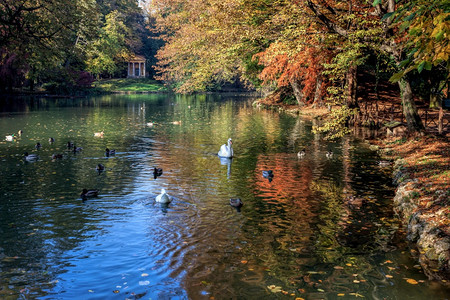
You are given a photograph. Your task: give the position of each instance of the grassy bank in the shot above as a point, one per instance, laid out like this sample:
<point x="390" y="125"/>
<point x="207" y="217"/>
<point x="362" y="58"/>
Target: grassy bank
<point x="129" y="85"/>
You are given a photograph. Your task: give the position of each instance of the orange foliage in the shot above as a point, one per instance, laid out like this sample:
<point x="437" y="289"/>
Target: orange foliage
<point x="304" y="66"/>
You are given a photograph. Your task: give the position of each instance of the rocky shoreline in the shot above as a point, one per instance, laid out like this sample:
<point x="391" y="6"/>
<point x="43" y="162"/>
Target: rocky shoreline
<point x="431" y="242"/>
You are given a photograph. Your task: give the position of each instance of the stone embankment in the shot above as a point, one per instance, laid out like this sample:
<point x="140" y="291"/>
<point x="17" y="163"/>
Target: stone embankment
<point x="423" y="223"/>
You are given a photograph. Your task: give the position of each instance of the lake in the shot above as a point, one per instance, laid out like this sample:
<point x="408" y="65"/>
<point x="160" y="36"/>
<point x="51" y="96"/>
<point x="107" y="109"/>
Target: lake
<point x="320" y="228"/>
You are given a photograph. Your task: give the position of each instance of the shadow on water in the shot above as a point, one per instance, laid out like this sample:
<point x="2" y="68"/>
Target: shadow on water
<point x="317" y="227"/>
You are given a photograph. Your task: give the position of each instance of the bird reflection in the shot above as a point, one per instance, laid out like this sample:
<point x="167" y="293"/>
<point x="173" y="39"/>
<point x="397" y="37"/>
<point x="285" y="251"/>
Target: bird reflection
<point x="226" y="161"/>
<point x="164" y="207"/>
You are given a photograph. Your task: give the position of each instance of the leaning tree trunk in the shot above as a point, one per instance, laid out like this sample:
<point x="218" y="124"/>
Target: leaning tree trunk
<point x="318" y="101"/>
<point x="413" y="120"/>
<point x="298" y="93"/>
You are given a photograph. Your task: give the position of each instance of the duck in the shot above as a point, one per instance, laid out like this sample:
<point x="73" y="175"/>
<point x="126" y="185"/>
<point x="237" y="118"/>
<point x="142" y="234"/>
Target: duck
<point x="329" y="154"/>
<point x="110" y="152"/>
<point x="176" y="122"/>
<point x="38" y="145"/>
<point x="226" y="150"/>
<point x="157" y="172"/>
<point x="51" y="140"/>
<point x="268" y="174"/>
<point x="57" y="156"/>
<point x="76" y="149"/>
<point x="88" y="194"/>
<point x="69" y="145"/>
<point x="20" y="132"/>
<point x="163" y="197"/>
<point x="99" y="134"/>
<point x="31" y="157"/>
<point x="236" y="203"/>
<point x="10" y="137"/>
<point x="301" y="153"/>
<point x="100" y="167"/>
<point x="150" y="124"/>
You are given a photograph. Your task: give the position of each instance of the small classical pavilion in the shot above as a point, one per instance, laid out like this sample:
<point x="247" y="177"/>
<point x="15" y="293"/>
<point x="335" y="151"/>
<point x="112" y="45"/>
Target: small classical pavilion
<point x="136" y="66"/>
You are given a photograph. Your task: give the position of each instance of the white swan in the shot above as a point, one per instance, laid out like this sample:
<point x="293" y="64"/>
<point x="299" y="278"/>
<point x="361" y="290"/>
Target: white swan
<point x="226" y="151"/>
<point x="163" y="197"/>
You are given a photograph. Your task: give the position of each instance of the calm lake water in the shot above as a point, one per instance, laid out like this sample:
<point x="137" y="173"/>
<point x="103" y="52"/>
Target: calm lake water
<point x="297" y="235"/>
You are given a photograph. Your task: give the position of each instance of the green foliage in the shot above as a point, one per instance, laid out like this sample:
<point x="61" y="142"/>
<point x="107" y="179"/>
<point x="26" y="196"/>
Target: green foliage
<point x="426" y="43"/>
<point x="51" y="36"/>
<point x="335" y="126"/>
<point x="68" y="81"/>
<point x="109" y="51"/>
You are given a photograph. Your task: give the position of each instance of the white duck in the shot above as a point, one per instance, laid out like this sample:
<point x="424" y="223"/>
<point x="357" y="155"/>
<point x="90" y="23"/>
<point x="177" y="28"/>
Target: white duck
<point x="31" y="157"/>
<point x="10" y="138"/>
<point x="226" y="151"/>
<point x="163" y="197"/>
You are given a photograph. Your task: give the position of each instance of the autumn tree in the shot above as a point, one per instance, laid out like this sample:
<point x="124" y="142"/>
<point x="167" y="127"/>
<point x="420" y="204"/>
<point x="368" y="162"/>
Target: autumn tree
<point x="203" y="42"/>
<point x="109" y="50"/>
<point x="426" y="44"/>
<point x="40" y="32"/>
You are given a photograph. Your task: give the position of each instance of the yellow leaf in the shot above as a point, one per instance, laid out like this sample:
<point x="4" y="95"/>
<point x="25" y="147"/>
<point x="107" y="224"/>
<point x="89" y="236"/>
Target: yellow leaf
<point x="338" y="267"/>
<point x="411" y="281"/>
<point x="389" y="276"/>
<point x="244" y="261"/>
<point x="341" y="295"/>
<point x="348" y="265"/>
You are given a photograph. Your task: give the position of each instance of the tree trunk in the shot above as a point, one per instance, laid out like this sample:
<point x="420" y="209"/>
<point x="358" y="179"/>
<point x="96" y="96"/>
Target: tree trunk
<point x="351" y="87"/>
<point x="318" y="93"/>
<point x="351" y="94"/>
<point x="298" y="93"/>
<point x="413" y="121"/>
